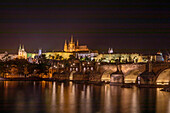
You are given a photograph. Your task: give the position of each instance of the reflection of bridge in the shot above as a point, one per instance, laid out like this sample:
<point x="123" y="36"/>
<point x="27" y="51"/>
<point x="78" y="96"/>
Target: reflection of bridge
<point x="156" y="73"/>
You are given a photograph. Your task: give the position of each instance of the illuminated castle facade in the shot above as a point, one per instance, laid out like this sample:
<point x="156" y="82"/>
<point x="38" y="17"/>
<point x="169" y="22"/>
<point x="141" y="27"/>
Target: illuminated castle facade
<point x="22" y="54"/>
<point x="72" y="47"/>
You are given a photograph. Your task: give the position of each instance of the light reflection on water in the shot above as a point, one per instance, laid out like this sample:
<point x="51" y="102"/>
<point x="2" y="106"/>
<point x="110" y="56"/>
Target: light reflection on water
<point x="53" y="97"/>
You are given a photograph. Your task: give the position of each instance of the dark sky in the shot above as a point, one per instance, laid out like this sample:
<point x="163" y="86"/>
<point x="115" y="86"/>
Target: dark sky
<point x="100" y="25"/>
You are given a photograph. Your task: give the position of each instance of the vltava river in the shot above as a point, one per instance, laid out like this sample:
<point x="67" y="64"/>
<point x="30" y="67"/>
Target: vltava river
<point x="53" y="97"/>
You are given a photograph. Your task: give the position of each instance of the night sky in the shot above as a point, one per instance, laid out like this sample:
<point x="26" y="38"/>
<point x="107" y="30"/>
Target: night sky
<point x="100" y="25"/>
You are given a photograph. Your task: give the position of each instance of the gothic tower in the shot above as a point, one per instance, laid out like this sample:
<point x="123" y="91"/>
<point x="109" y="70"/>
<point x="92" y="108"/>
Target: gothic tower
<point x="19" y="51"/>
<point x="23" y="48"/>
<point x="71" y="46"/>
<point x="65" y="46"/>
<point x="71" y="39"/>
<point x="22" y="54"/>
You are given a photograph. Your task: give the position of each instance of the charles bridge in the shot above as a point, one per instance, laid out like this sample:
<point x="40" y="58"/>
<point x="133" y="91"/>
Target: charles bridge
<point x="146" y="73"/>
<point x="157" y="73"/>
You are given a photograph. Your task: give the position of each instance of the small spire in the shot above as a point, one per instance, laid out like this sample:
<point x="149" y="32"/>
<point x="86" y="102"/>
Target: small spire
<point x="71" y="38"/>
<point x="77" y="43"/>
<point x="65" y="45"/>
<point x="65" y="42"/>
<point x="20" y="47"/>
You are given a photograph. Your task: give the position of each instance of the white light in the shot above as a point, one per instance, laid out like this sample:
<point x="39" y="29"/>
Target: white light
<point x="84" y="69"/>
<point x="62" y="65"/>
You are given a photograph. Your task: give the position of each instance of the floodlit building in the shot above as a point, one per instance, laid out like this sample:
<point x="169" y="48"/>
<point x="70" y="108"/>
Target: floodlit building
<point x="159" y="57"/>
<point x="118" y="57"/>
<point x="6" y="56"/>
<point x="22" y="54"/>
<point x="84" y="53"/>
<point x="72" y="47"/>
<point x="57" y="55"/>
<point x="110" y="50"/>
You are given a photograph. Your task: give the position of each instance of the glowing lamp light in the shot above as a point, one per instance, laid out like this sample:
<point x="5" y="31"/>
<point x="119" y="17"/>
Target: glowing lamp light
<point x="62" y="65"/>
<point x="76" y="69"/>
<point x="84" y="69"/>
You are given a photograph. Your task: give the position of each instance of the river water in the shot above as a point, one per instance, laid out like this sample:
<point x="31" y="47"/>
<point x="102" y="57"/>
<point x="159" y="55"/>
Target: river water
<point x="53" y="97"/>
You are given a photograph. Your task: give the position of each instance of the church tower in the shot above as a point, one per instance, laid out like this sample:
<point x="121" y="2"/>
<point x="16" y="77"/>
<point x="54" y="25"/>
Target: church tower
<point x="71" y="46"/>
<point x="20" y="47"/>
<point x="19" y="52"/>
<point x="23" y="48"/>
<point x="65" y="46"/>
<point x="22" y="54"/>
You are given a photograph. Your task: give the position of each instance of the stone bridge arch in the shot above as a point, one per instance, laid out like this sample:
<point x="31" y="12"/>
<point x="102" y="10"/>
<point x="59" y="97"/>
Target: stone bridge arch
<point x="105" y="71"/>
<point x="132" y="76"/>
<point x="130" y="71"/>
<point x="106" y="75"/>
<point x="163" y="77"/>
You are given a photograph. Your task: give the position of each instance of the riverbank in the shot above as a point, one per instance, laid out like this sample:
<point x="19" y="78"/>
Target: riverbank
<point x="82" y="82"/>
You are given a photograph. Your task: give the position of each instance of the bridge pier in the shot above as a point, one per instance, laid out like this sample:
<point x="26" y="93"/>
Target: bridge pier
<point x="150" y="73"/>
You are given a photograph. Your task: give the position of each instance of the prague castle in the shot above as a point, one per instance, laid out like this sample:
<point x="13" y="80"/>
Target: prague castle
<point x="69" y="49"/>
<point x="82" y="51"/>
<point x="72" y="47"/>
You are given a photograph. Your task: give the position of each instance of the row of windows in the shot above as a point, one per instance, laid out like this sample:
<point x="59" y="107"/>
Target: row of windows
<point x="84" y="69"/>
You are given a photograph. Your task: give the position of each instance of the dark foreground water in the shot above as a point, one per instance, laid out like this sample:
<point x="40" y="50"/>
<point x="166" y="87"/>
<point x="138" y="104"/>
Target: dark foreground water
<point x="53" y="97"/>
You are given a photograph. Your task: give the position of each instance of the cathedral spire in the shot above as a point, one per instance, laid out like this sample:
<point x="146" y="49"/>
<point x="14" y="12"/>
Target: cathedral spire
<point x="65" y="45"/>
<point x="20" y="47"/>
<point x="71" y="38"/>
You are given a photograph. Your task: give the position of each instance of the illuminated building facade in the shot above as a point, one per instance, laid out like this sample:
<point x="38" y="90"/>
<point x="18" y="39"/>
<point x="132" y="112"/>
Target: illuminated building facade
<point x="22" y="54"/>
<point x="83" y="53"/>
<point x="69" y="49"/>
<point x="59" y="54"/>
<point x="72" y="47"/>
<point x="110" y="50"/>
<point x="120" y="57"/>
<point x="6" y="56"/>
